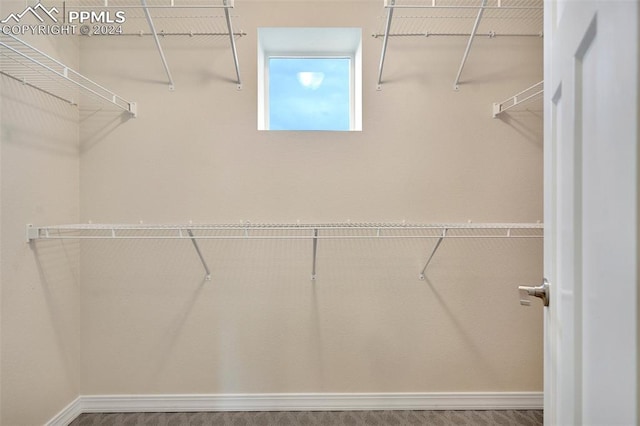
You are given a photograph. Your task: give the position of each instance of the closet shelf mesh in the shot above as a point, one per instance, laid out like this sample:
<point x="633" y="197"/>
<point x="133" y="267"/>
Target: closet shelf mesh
<point x="27" y="64"/>
<point x="286" y="231"/>
<point x="456" y="18"/>
<point x="171" y="17"/>
<point x="309" y="232"/>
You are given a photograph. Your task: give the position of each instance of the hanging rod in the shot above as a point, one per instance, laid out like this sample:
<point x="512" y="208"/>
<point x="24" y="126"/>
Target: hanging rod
<point x="529" y="94"/>
<point x="435" y="34"/>
<point x="134" y="4"/>
<point x="34" y="68"/>
<point x="437" y="6"/>
<point x="286" y="231"/>
<point x="177" y="33"/>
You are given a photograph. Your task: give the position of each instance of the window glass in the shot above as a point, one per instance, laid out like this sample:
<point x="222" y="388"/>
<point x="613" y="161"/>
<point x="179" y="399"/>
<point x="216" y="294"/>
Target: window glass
<point x="309" y="78"/>
<point x="309" y="93"/>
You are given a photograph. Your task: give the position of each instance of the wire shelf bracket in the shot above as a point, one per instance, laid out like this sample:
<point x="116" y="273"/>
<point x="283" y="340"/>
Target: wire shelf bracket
<point x="315" y="252"/>
<point x="389" y="4"/>
<point x="232" y="41"/>
<point x="207" y="276"/>
<point x="250" y="231"/>
<point x="527" y="95"/>
<point x="433" y="252"/>
<point x="506" y="14"/>
<point x="27" y="64"/>
<point x="227" y="4"/>
<point x="152" y="28"/>
<point x="468" y="48"/>
<point x="163" y="12"/>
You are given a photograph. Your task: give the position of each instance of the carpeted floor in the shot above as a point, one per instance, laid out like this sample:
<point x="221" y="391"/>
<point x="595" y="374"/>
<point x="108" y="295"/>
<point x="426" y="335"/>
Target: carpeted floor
<point x="322" y="418"/>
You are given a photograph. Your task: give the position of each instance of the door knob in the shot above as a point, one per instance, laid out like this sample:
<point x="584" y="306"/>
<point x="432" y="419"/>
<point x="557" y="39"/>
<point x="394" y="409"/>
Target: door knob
<point x="541" y="291"/>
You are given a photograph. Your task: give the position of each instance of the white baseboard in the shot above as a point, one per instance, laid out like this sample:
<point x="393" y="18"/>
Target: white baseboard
<point x="300" y="402"/>
<point x="67" y="414"/>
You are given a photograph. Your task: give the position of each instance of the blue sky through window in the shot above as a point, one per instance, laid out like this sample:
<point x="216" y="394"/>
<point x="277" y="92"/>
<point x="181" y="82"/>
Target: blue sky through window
<point x="309" y="94"/>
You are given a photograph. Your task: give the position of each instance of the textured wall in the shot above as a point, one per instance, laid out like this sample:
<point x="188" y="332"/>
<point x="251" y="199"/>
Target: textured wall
<point x="39" y="183"/>
<point x="148" y="324"/>
<point x="426" y="154"/>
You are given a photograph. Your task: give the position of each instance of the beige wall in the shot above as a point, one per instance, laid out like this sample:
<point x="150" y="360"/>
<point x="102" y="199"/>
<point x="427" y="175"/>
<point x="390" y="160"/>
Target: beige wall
<point x="426" y="154"/>
<point x="40" y="318"/>
<point x="133" y="317"/>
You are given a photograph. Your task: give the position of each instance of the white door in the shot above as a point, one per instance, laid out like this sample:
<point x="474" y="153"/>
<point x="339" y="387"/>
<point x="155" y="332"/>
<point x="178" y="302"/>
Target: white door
<point x="591" y="218"/>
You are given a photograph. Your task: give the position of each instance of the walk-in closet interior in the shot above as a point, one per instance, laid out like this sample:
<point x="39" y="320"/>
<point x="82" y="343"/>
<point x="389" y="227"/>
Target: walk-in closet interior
<point x="161" y="250"/>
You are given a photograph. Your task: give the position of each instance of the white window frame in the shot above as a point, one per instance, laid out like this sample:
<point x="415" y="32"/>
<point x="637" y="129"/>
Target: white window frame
<point x="310" y="43"/>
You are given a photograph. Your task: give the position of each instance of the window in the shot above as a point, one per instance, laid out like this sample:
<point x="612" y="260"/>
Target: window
<point x="309" y="93"/>
<point x="309" y="79"/>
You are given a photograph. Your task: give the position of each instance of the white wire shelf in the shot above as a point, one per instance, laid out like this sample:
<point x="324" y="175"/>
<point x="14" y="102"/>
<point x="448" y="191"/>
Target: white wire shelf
<point x="456" y="17"/>
<point x="170" y="17"/>
<point x="189" y="24"/>
<point x="158" y="19"/>
<point x="468" y="18"/>
<point x="136" y="4"/>
<point x="529" y="94"/>
<point x="34" y="68"/>
<point x="286" y="231"/>
<point x="312" y="232"/>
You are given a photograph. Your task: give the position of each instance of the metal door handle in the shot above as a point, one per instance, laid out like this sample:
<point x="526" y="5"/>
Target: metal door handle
<point x="541" y="291"/>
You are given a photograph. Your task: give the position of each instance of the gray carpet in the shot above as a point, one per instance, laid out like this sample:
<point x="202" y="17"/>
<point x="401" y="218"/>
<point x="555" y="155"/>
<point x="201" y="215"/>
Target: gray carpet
<point x="322" y="418"/>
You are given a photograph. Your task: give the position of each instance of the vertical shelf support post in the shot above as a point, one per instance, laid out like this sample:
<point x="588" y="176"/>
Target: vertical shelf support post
<point x="433" y="252"/>
<point x="471" y="37"/>
<point x="228" y="4"/>
<point x="315" y="251"/>
<point x="385" y="40"/>
<point x="152" y="27"/>
<point x="204" y="263"/>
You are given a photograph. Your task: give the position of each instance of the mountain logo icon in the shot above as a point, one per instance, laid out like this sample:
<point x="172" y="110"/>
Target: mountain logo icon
<point x="39" y="11"/>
